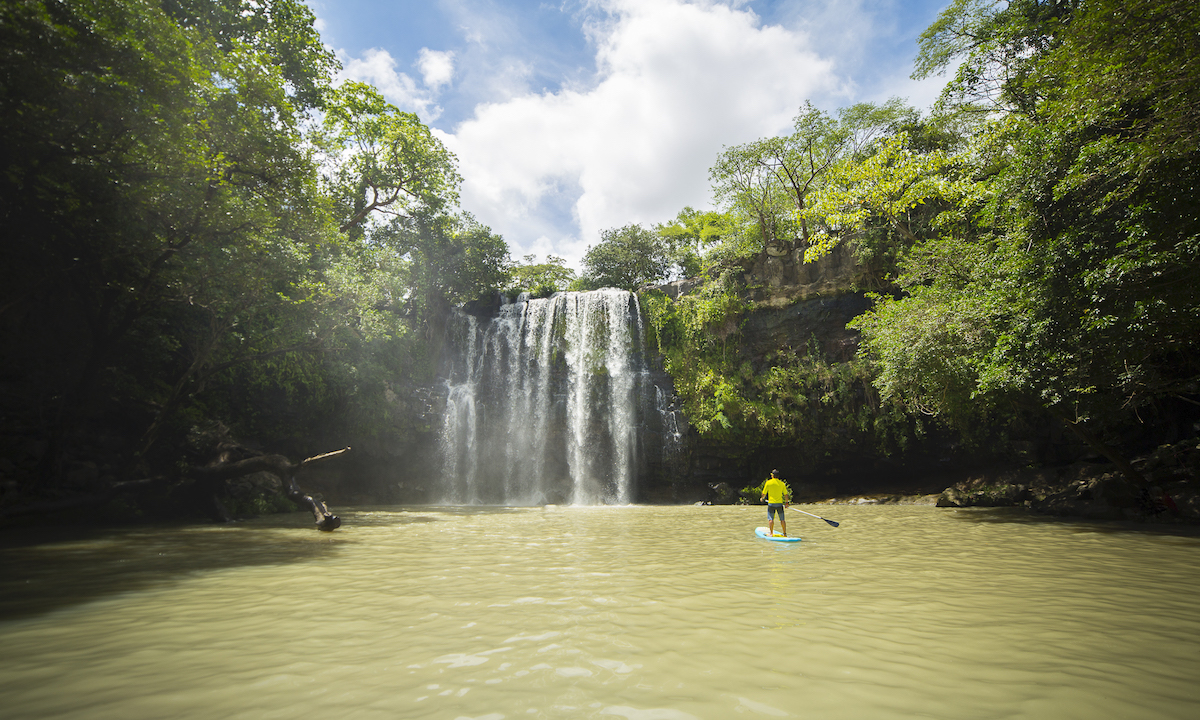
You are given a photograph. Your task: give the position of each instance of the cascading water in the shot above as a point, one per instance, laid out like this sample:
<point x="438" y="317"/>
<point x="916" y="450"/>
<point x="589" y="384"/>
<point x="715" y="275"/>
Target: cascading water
<point x="674" y="427"/>
<point x="546" y="403"/>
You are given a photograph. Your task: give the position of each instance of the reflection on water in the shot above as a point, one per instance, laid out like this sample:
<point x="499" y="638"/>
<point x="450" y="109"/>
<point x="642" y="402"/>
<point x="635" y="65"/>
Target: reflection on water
<point x="645" y="613"/>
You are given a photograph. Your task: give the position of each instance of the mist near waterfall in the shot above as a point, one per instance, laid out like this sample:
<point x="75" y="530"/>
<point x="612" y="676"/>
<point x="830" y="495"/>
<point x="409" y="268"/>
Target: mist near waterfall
<point x="549" y="402"/>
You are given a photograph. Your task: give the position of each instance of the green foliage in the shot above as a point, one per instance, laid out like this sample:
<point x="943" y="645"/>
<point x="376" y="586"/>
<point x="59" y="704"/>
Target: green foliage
<point x="541" y="279"/>
<point x="452" y="258"/>
<point x="689" y="235"/>
<point x="791" y="398"/>
<point x="282" y="30"/>
<point x="768" y="186"/>
<point x="380" y="160"/>
<point x="1131" y="71"/>
<point x="999" y="46"/>
<point x="628" y="258"/>
<point x="1064" y="279"/>
<point x="887" y="186"/>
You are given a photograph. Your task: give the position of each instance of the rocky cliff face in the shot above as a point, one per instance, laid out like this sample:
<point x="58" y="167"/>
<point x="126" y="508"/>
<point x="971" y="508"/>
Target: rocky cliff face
<point x="797" y="303"/>
<point x="779" y="277"/>
<point x="800" y="303"/>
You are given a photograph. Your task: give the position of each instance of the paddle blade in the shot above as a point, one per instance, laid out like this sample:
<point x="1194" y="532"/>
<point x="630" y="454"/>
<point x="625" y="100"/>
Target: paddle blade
<point x="830" y="522"/>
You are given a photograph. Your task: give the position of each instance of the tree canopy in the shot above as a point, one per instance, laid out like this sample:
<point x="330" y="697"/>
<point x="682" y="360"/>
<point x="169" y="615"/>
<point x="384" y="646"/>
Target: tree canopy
<point x="1064" y="277"/>
<point x="196" y="212"/>
<point x="627" y="258"/>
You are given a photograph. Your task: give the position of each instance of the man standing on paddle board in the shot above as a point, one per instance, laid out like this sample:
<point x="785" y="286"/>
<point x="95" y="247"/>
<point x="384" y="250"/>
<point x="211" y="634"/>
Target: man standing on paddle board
<point x="778" y="496"/>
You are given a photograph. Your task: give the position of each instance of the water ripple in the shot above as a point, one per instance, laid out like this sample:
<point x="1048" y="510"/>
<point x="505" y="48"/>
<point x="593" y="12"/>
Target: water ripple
<point x="634" y="612"/>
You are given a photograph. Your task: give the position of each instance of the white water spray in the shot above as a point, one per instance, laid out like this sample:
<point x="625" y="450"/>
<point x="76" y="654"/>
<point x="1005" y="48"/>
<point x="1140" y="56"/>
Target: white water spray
<point x="545" y="401"/>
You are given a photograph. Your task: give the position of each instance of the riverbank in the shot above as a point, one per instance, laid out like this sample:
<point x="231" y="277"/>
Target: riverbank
<point x="1088" y="490"/>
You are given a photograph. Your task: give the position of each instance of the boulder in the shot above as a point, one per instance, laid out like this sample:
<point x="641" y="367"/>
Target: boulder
<point x="985" y="496"/>
<point x="721" y="493"/>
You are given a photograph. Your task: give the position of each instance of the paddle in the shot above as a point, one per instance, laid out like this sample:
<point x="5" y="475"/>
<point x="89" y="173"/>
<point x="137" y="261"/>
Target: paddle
<point x="831" y="522"/>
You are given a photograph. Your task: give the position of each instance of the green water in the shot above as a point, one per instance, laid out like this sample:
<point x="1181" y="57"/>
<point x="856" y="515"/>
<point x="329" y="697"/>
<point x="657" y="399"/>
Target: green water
<point x="645" y="613"/>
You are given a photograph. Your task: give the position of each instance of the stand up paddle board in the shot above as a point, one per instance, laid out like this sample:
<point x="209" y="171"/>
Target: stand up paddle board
<point x="763" y="533"/>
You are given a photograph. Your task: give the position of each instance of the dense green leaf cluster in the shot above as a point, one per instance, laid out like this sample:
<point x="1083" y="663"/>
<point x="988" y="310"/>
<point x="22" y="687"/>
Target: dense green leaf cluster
<point x="1064" y="277"/>
<point x="793" y="397"/>
<point x="627" y="258"/>
<point x="1036" y="239"/>
<point x="201" y="227"/>
<point x="540" y="279"/>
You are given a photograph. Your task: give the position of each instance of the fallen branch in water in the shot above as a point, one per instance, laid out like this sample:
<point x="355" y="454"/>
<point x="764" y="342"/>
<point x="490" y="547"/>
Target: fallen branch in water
<point x="282" y="468"/>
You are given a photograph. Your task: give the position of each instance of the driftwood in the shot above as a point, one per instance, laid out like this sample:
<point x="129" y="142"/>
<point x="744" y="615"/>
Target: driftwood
<point x="282" y="468"/>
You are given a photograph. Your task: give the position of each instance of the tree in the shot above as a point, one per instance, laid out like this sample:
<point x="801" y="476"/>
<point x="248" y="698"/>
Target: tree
<point x="767" y="184"/>
<point x="281" y="30"/>
<point x="628" y="257"/>
<point x="999" y="46"/>
<point x="886" y="186"/>
<point x="454" y="258"/>
<point x="689" y="235"/>
<point x="1066" y="283"/>
<point x="541" y="279"/>
<point x="382" y="161"/>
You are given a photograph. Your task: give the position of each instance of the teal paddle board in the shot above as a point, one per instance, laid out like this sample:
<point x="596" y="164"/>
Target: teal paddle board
<point x="765" y="535"/>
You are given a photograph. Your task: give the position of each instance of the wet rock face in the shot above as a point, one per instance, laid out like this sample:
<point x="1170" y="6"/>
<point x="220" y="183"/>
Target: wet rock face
<point x="987" y="496"/>
<point x="721" y="493"/>
<point x="819" y="320"/>
<point x="803" y="306"/>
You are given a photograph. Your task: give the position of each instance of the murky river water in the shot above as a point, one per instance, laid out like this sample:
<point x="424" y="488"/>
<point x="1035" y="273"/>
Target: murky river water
<point x="644" y="613"/>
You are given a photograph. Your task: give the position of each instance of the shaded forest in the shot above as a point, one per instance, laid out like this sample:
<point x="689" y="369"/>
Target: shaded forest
<point x="207" y="240"/>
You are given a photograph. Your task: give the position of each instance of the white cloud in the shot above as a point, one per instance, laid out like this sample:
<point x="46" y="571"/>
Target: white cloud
<point x="378" y="67"/>
<point x="675" y="82"/>
<point x="437" y="67"/>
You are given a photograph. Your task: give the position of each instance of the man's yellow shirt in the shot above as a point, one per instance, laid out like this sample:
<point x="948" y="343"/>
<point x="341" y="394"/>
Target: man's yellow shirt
<point x="776" y="490"/>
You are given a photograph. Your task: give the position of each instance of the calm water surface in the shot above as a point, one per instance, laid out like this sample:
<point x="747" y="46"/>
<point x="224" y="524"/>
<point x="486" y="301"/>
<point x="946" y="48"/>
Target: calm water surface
<point x="644" y="613"/>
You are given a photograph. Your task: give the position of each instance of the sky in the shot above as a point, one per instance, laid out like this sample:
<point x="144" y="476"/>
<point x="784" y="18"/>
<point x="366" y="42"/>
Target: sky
<point x="570" y="117"/>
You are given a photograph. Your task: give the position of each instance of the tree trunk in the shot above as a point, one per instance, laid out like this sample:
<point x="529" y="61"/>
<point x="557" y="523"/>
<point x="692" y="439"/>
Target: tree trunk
<point x="286" y="471"/>
<point x="1117" y="458"/>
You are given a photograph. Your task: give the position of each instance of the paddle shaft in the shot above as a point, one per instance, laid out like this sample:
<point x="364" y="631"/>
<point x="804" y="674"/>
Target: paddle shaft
<point x="831" y="522"/>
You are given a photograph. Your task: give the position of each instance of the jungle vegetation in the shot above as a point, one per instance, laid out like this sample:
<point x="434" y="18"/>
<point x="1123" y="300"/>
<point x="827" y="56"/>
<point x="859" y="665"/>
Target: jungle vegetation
<point x="204" y="231"/>
<point x="1034" y="240"/>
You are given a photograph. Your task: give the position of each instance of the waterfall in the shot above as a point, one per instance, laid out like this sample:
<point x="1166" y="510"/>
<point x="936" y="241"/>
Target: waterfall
<point x="673" y="426"/>
<point x="545" y="402"/>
